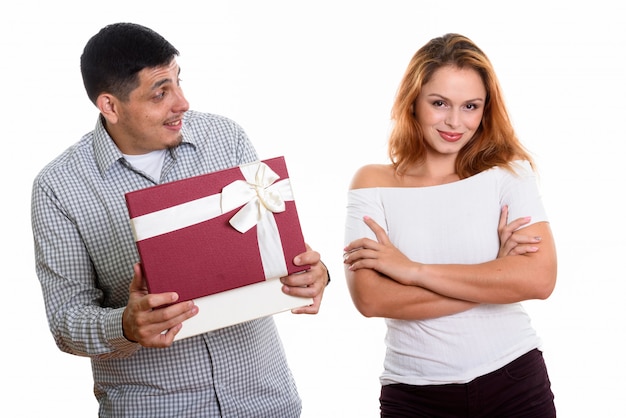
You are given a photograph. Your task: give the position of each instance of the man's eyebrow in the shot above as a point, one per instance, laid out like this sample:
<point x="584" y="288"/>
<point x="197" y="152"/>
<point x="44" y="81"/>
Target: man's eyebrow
<point x="159" y="83"/>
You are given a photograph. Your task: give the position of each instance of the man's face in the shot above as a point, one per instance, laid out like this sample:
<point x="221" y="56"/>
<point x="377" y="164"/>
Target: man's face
<point x="151" y="118"/>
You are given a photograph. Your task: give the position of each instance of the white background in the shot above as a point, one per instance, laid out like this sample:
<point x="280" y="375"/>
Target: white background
<point x="314" y="81"/>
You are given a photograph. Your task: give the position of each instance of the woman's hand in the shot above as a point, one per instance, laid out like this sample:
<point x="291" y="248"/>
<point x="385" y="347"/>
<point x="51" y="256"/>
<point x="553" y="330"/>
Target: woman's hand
<point x="381" y="255"/>
<point x="512" y="242"/>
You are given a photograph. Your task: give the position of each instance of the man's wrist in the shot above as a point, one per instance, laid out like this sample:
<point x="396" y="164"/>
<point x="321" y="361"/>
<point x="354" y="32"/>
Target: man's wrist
<point x="327" y="273"/>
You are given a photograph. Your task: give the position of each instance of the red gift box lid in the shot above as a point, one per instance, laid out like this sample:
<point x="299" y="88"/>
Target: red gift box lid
<point x="209" y="256"/>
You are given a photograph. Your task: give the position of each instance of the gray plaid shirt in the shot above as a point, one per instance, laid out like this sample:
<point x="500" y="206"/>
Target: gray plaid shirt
<point x="85" y="253"/>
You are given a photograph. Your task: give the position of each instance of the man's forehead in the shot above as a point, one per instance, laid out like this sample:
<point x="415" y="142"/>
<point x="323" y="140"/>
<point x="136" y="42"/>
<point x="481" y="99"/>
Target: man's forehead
<point x="157" y="76"/>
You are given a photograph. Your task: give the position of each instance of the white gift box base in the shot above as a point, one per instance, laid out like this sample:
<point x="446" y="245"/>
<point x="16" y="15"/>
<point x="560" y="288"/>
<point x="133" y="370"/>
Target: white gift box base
<point x="239" y="305"/>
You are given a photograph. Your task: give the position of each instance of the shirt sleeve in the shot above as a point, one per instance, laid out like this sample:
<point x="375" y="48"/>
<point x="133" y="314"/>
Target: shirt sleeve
<point x="77" y="321"/>
<point x="246" y="151"/>
<point x="363" y="202"/>
<point x="520" y="191"/>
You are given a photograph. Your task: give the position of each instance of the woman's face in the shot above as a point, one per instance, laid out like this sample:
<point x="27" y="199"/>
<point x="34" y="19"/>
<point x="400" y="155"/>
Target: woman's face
<point x="450" y="108"/>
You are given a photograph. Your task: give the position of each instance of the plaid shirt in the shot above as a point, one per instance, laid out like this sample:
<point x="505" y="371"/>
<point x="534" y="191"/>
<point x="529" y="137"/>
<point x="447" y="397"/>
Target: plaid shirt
<point x="85" y="253"/>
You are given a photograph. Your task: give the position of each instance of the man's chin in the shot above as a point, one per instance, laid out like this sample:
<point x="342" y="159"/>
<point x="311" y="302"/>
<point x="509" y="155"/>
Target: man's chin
<point x="176" y="142"/>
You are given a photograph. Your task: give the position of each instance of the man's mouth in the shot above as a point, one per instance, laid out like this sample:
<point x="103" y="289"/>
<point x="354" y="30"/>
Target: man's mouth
<point x="174" y="123"/>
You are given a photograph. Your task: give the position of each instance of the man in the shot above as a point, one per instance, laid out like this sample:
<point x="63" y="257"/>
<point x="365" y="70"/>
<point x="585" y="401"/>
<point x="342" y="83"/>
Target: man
<point x="97" y="302"/>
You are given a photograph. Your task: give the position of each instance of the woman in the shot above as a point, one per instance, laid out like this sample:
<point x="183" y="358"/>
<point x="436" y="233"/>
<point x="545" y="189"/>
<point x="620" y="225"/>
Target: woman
<point x="424" y="248"/>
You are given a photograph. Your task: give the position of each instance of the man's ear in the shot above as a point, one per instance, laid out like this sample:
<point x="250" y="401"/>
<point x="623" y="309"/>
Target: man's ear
<point x="107" y="105"/>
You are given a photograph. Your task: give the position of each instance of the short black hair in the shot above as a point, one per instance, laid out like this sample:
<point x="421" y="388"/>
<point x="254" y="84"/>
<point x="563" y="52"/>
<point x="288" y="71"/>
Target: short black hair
<point x="112" y="58"/>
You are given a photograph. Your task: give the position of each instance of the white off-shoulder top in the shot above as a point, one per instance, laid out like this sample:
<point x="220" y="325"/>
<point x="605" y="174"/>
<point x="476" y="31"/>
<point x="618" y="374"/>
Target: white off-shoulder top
<point x="451" y="223"/>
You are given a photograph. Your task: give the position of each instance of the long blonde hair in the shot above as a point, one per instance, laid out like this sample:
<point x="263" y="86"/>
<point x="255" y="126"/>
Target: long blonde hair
<point x="494" y="143"/>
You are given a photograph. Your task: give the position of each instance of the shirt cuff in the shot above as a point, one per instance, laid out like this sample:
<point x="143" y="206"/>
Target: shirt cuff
<point x="115" y="334"/>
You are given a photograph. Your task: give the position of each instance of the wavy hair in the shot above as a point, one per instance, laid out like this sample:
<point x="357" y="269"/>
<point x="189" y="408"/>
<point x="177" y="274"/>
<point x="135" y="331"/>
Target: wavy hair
<point x="495" y="143"/>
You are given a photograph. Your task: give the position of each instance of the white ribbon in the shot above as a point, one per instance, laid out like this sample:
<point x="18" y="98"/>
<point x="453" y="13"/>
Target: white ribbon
<point x="260" y="195"/>
<point x="258" y="192"/>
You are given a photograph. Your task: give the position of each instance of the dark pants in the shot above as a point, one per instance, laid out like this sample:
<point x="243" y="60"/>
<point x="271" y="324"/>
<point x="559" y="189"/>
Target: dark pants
<point x="519" y="389"/>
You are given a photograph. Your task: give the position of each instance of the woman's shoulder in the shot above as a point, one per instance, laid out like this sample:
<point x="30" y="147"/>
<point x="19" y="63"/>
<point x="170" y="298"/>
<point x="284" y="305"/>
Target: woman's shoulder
<point x="517" y="168"/>
<point x="374" y="175"/>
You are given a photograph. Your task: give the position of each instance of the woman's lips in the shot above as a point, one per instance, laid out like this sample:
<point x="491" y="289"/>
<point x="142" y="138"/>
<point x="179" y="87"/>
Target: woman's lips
<point x="450" y="136"/>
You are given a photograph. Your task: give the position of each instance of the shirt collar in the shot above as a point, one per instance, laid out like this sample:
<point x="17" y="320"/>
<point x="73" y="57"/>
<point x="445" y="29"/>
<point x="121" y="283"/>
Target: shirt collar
<point x="107" y="153"/>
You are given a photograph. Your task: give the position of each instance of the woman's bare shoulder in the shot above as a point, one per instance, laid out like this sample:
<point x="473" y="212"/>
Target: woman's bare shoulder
<point x="374" y="175"/>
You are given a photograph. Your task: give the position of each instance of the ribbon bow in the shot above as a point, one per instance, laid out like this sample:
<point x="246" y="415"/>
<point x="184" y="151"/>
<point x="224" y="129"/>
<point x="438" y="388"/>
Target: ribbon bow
<point x="259" y="192"/>
<point x="262" y="197"/>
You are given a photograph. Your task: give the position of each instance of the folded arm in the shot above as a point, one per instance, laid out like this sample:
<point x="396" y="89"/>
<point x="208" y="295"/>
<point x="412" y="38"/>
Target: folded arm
<point x="509" y="279"/>
<point x="377" y="295"/>
<point x="504" y="280"/>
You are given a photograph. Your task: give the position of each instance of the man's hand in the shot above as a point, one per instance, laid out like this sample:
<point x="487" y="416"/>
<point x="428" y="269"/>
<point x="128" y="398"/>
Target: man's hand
<point x="146" y="322"/>
<point x="308" y="284"/>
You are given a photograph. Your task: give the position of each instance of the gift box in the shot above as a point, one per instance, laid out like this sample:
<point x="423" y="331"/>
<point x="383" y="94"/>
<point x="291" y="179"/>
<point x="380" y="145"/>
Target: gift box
<point x="222" y="239"/>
